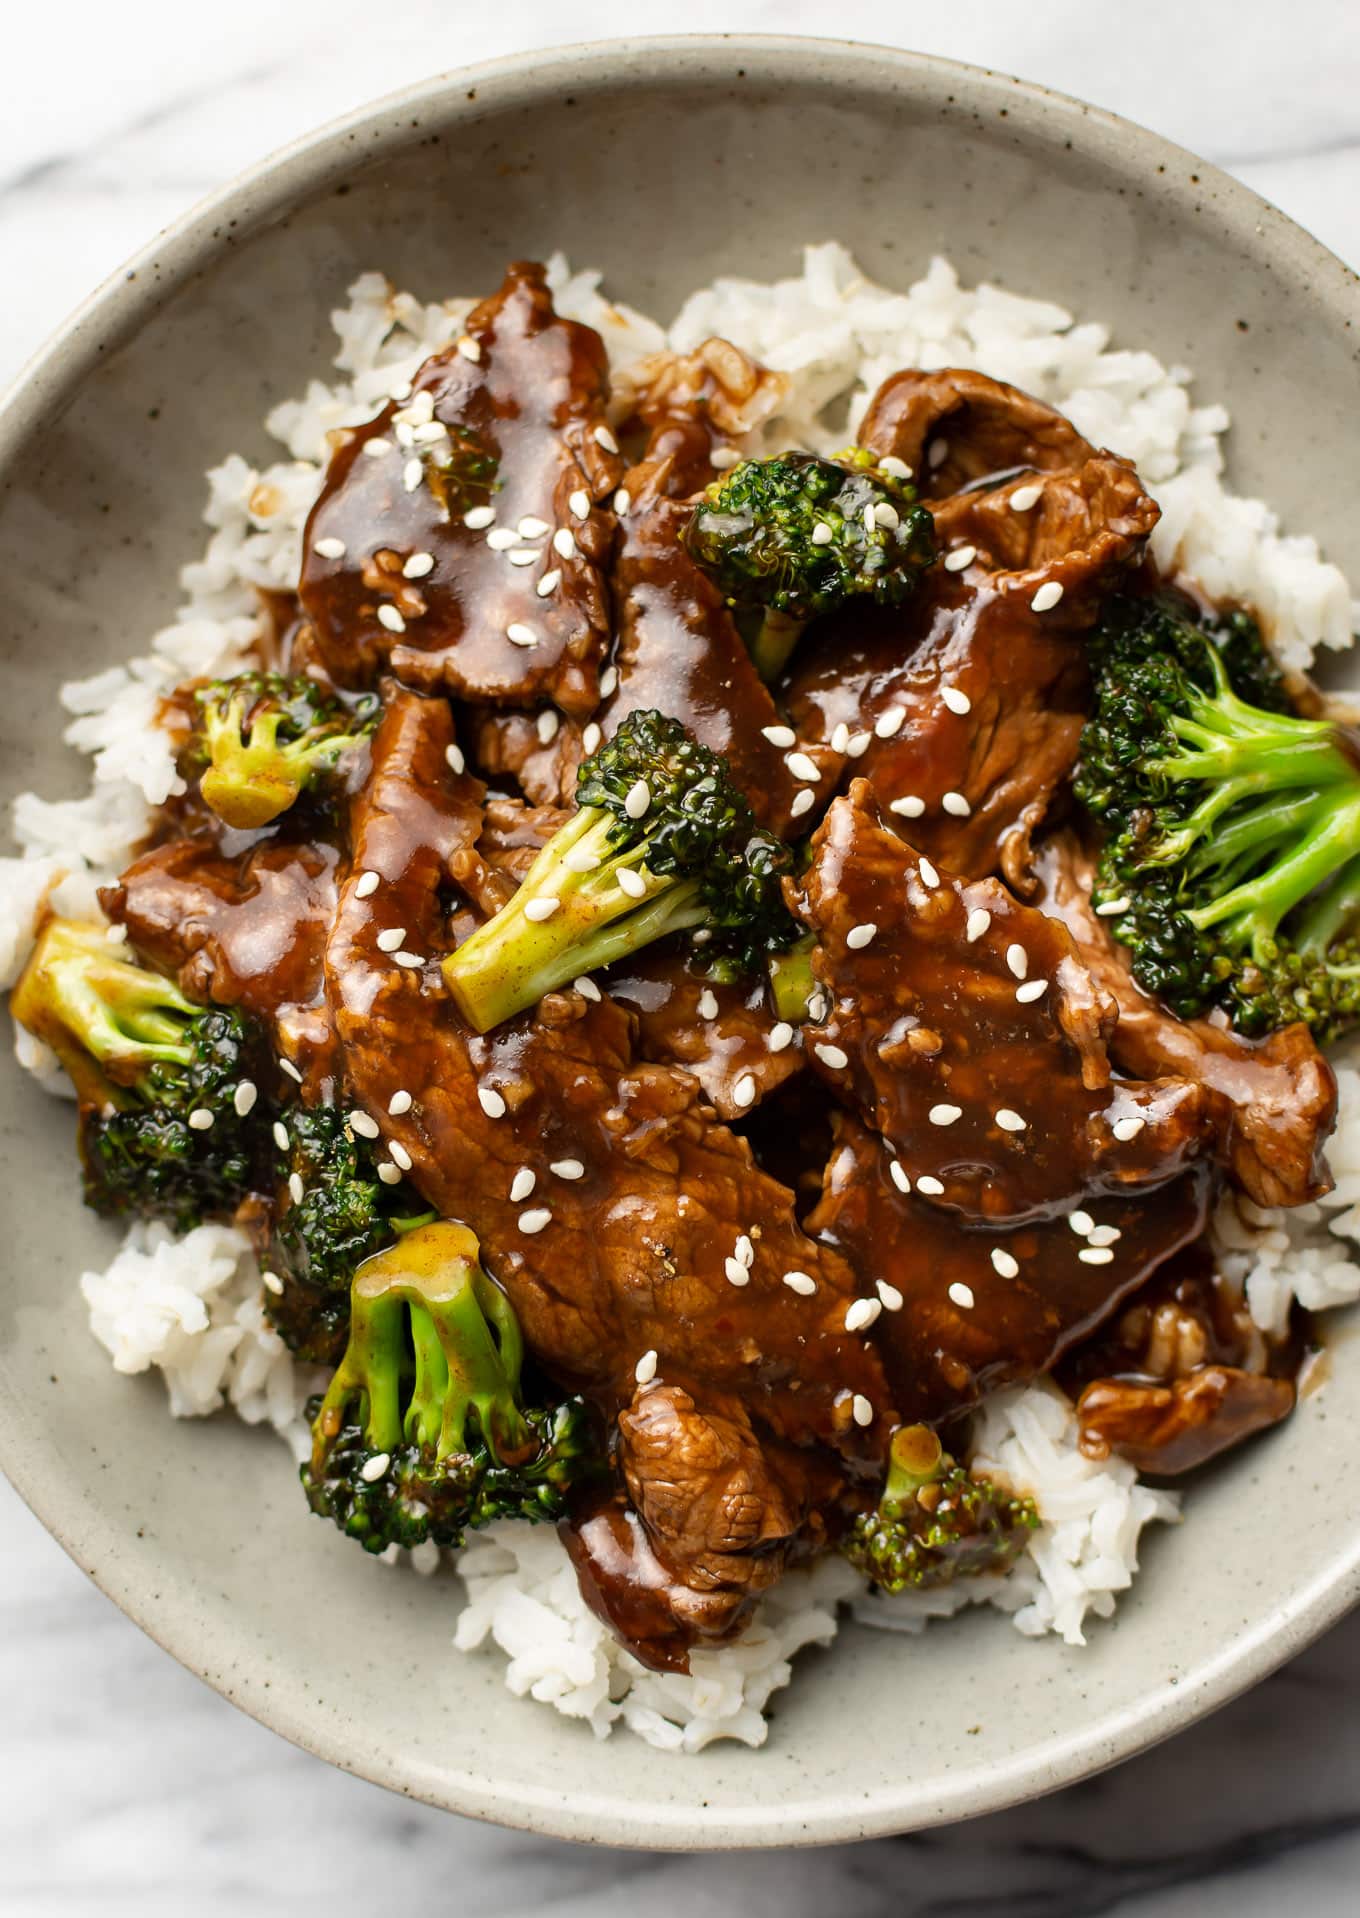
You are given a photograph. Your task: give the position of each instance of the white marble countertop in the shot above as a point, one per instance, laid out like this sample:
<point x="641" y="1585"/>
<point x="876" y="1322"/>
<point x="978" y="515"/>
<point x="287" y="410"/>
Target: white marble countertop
<point x="125" y="1785"/>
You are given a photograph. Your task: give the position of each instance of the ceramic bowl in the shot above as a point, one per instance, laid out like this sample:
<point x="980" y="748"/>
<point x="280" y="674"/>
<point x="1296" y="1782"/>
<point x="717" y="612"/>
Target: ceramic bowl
<point x="665" y="162"/>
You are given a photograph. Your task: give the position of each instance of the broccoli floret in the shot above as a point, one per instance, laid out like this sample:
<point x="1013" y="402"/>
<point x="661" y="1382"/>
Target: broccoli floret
<point x="661" y="841"/>
<point x="788" y="539"/>
<point x="265" y="738"/>
<point x="422" y="1432"/>
<point x="158" y="1079"/>
<point x="1233" y="824"/>
<point x="934" y="1522"/>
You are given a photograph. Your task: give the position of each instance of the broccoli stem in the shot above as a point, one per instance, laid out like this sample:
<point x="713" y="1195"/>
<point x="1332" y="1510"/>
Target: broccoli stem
<point x="1329" y="838"/>
<point x="791" y="982"/>
<point x="1331" y="913"/>
<point x="773" y="642"/>
<point x="915" y="1457"/>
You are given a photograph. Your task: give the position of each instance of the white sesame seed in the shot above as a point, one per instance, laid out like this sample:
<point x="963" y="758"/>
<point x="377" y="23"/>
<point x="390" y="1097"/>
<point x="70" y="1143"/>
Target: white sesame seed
<point x="522" y="555"/>
<point x="1081" y="1223"/>
<point x="365" y="1127"/>
<point x="938" y="454"/>
<point x="418" y="565"/>
<point x="637" y="799"/>
<point x="1104" y="1235"/>
<point x="501" y="538"/>
<point x="491" y="1102"/>
<point x="536" y="910"/>
<point x="1018" y="960"/>
<point x="707" y="1004"/>
<point x="817" y="1005"/>
<point x="930" y="1185"/>
<point x="1129" y="1128"/>
<point x="376" y="448"/>
<point x="1009" y="1120"/>
<point x="858" y="744"/>
<point x="297" y="1191"/>
<point x="832" y="1056"/>
<point x="861" y="1315"/>
<point x="609" y="680"/>
<point x="780" y="1036"/>
<point x="272" y="1282"/>
<point x="373" y="1468"/>
<point x="623" y="499"/>
<point x="1096" y="1255"/>
<point x="389" y="1174"/>
<point x="801" y="1282"/>
<point x="280" y="1135"/>
<point x="532" y="528"/>
<point x="603" y="437"/>
<point x="549" y="583"/>
<point x="909" y="808"/>
<point x="567" y="1169"/>
<point x="401" y="390"/>
<point x="944" y="1114"/>
<point x="645" y="1369"/>
<point x="1024" y="497"/>
<point x="400" y="1102"/>
<point x="408" y="959"/>
<point x="801" y="802"/>
<point x="1110" y="908"/>
<point x="955" y="700"/>
<point x="582" y="859"/>
<point x="429" y="433"/>
<point x="956" y="804"/>
<point x="860" y="936"/>
<point x="870" y="524"/>
<point x="962" y="1295"/>
<point x="928" y="873"/>
<point x="454" y="755"/>
<point x="521" y="635"/>
<point x="366" y="883"/>
<point x="1031" y="990"/>
<point x="400" y="1155"/>
<point x="329" y="548"/>
<point x="546" y="726"/>
<point x="822" y="534"/>
<point x="412" y="474"/>
<point x="744" y="1091"/>
<point x="580" y="503"/>
<point x="978" y="921"/>
<point x="840" y="738"/>
<point x="1047" y="597"/>
<point x="391" y="939"/>
<point x="286" y="1065"/>
<point x="469" y="348"/>
<point x="244" y="1097"/>
<point x="535" y="1219"/>
<point x="405" y="434"/>
<point x="894" y="467"/>
<point x="389" y="617"/>
<point x="890" y="722"/>
<point x="861" y="1410"/>
<point x="522" y="1185"/>
<point x="892" y="1300"/>
<point x="736" y="1272"/>
<point x="780" y="736"/>
<point x="724" y="457"/>
<point x="631" y="882"/>
<point x="588" y="989"/>
<point x="802" y="767"/>
<point x="959" y="558"/>
<point x="591" y="737"/>
<point x="887" y="515"/>
<point x="898" y="1174"/>
<point x="200" y="1119"/>
<point x="564" y="543"/>
<point x="478" y="518"/>
<point x="745" y="1250"/>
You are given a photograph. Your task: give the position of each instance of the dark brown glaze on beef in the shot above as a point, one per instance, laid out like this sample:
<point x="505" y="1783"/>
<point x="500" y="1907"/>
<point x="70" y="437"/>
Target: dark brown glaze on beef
<point x="1276" y="1097"/>
<point x="527" y="390"/>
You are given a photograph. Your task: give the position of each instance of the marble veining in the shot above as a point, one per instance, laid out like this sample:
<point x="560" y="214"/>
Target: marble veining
<point x="129" y="1787"/>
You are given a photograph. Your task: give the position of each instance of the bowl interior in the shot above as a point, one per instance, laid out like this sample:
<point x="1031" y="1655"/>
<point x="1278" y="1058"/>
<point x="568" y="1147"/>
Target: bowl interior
<point x="666" y="164"/>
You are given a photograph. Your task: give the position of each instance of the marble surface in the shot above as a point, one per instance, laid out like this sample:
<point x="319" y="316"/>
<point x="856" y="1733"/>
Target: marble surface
<point x="125" y="1785"/>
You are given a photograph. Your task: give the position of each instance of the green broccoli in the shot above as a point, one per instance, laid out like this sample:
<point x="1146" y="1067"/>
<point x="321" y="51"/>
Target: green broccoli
<point x="792" y="986"/>
<point x="1229" y="870"/>
<point x="265" y="738"/>
<point x="172" y="1126"/>
<point x="934" y="1522"/>
<point x="422" y="1432"/>
<point x="662" y="841"/>
<point x="788" y="539"/>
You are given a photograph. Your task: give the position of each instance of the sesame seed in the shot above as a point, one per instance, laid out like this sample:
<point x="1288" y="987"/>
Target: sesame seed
<point x="801" y="1282"/>
<point x="373" y="1468"/>
<point x="801" y="802"/>
<point x="521" y="635"/>
<point x="816" y="1005"/>
<point x="780" y="1036"/>
<point x="780" y="736"/>
<point x="927" y="871"/>
<point x="522" y="555"/>
<point x="822" y="534"/>
<point x="887" y="515"/>
<point x="418" y="565"/>
<point x="1104" y="1235"/>
<point x="724" y="457"/>
<point x="930" y="1185"/>
<point x="631" y="882"/>
<point x="428" y="432"/>
<point x="1031" y="990"/>
<point x="1096" y="1255"/>
<point x="623" y="499"/>
<point x="400" y="390"/>
<point x="891" y="1298"/>
<point x="832" y="1056"/>
<point x="244" y="1097"/>
<point x="579" y="503"/>
<point x="1047" y="597"/>
<point x="1018" y="960"/>
<point x="400" y="1155"/>
<point x="549" y="584"/>
<point x="637" y="799"/>
<point x="858" y="744"/>
<point x="329" y="548"/>
<point x="567" y="1169"/>
<point x="944" y="1114"/>
<point x="546" y="726"/>
<point x="365" y="1127"/>
<point x="860" y="936"/>
<point x="286" y="1065"/>
<point x="535" y="1219"/>
<point x="802" y="767"/>
<point x="645" y="1369"/>
<point x="591" y="737"/>
<point x="1129" y="1128"/>
<point x="389" y="617"/>
<point x="454" y="755"/>
<point x="501" y="538"/>
<point x="840" y="738"/>
<point x="894" y="467"/>
<point x="1005" y="1263"/>
<point x="1081" y="1223"/>
<point x="366" y="883"/>
<point x="409" y="959"/>
<point x="532" y="528"/>
<point x="200" y="1119"/>
<point x="478" y="518"/>
<point x="1110" y="908"/>
<point x="391" y="939"/>
<point x="522" y="1185"/>
<point x="537" y="910"/>
<point x="491" y="1102"/>
<point x="956" y="701"/>
<point x="603" y="437"/>
<point x="909" y="808"/>
<point x="564" y="543"/>
<point x="297" y="1191"/>
<point x="870" y="524"/>
<point x="708" y="1005"/>
<point x="978" y="921"/>
<point x="588" y="989"/>
<point x="861" y="1410"/>
<point x="956" y="804"/>
<point x="272" y="1282"/>
<point x="890" y="722"/>
<point x="280" y="1135"/>
<point x="469" y="349"/>
<point x="898" y="1174"/>
<point x="938" y="454"/>
<point x="745" y="1250"/>
<point x="959" y="558"/>
<point x="1024" y="497"/>
<point x="376" y="448"/>
<point x="609" y="680"/>
<point x="736" y="1272"/>
<point x="389" y="1174"/>
<point x="412" y="474"/>
<point x="400" y="1102"/>
<point x="1008" y="1120"/>
<point x="744" y="1091"/>
<point x="861" y="1315"/>
<point x="962" y="1295"/>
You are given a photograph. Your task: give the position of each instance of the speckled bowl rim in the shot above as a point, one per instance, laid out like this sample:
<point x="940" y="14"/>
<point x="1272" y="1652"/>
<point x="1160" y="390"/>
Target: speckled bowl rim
<point x="107" y="319"/>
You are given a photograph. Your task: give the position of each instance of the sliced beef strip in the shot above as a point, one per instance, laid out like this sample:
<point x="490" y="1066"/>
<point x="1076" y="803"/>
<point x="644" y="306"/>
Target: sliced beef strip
<point x="527" y="391"/>
<point x="968" y="1032"/>
<point x="957" y="428"/>
<point x="511" y="746"/>
<point x="960" y="1319"/>
<point x="1275" y="1097"/>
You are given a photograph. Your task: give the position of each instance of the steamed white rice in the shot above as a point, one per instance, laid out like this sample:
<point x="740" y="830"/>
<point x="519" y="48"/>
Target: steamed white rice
<point x="192" y="1307"/>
